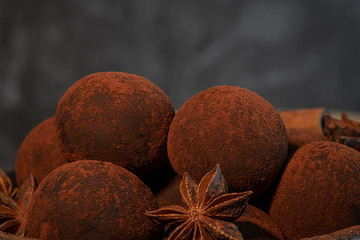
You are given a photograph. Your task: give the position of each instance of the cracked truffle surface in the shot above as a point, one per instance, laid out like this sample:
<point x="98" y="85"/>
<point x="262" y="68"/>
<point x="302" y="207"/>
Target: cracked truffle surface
<point x="115" y="117"/>
<point x="319" y="191"/>
<point x="91" y="200"/>
<point x="231" y="126"/>
<point x="40" y="152"/>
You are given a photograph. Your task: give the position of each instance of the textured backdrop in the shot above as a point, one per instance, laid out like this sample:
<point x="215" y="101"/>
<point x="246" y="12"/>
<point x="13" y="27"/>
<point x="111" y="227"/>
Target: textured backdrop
<point x="293" y="53"/>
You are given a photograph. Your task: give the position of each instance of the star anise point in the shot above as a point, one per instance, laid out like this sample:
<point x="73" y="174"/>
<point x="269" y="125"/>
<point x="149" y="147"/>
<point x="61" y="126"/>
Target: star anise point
<point x="209" y="210"/>
<point x="13" y="208"/>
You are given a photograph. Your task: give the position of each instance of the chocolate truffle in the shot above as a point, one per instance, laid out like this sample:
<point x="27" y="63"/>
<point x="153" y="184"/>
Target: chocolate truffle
<point x="164" y="183"/>
<point x="231" y="126"/>
<point x="115" y="117"/>
<point x="255" y="224"/>
<point x="170" y="193"/>
<point x="91" y="200"/>
<point x="298" y="137"/>
<point x="40" y="152"/>
<point x="319" y="191"/>
<point x="352" y="233"/>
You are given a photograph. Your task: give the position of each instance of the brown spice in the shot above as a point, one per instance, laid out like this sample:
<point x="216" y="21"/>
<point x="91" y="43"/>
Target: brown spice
<point x="255" y="224"/>
<point x="91" y="200"/>
<point x="40" y="153"/>
<point x="7" y="236"/>
<point x="310" y="119"/>
<point x="344" y="131"/>
<point x="209" y="210"/>
<point x="343" y="234"/>
<point x="318" y="191"/>
<point x="13" y="211"/>
<point x="115" y="117"/>
<point x="6" y="186"/>
<point x="231" y="126"/>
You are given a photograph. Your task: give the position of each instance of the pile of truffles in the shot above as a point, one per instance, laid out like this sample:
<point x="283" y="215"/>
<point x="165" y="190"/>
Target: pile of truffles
<point x="117" y="162"/>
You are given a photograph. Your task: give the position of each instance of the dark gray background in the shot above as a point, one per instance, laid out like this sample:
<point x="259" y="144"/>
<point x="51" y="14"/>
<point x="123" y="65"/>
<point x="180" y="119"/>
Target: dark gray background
<point x="293" y="53"/>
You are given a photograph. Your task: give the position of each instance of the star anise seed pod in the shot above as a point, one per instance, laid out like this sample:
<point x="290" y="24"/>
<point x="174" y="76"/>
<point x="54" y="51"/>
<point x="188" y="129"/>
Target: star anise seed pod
<point x="13" y="211"/>
<point x="344" y="131"/>
<point x="6" y="185"/>
<point x="209" y="210"/>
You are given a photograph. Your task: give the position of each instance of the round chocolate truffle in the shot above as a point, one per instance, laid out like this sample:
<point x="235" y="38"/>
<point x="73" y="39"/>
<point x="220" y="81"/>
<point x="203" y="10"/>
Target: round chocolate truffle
<point x="231" y="126"/>
<point x="319" y="191"/>
<point x="40" y="153"/>
<point x="115" y="117"/>
<point x="92" y="200"/>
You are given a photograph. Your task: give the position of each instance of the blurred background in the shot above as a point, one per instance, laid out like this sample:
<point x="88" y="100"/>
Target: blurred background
<point x="295" y="54"/>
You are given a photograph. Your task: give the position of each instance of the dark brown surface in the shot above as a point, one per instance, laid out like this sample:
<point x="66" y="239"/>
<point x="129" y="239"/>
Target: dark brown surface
<point x="231" y="126"/>
<point x="351" y="233"/>
<point x="254" y="224"/>
<point x="318" y="192"/>
<point x="164" y="183"/>
<point x="92" y="200"/>
<point x="115" y="117"/>
<point x="298" y="137"/>
<point x="308" y="118"/>
<point x="40" y="152"/>
<point x="170" y="193"/>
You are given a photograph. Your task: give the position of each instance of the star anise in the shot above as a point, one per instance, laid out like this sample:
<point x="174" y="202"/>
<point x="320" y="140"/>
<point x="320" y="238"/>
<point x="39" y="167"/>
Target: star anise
<point x="13" y="211"/>
<point x="6" y="185"/>
<point x="344" y="131"/>
<point x="209" y="210"/>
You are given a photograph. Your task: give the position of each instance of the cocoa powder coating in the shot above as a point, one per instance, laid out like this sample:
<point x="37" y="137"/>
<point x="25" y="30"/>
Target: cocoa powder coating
<point x="40" y="152"/>
<point x="256" y="224"/>
<point x="92" y="200"/>
<point x="170" y="193"/>
<point x="115" y="117"/>
<point x="298" y="137"/>
<point x="231" y="126"/>
<point x="352" y="233"/>
<point x="319" y="191"/>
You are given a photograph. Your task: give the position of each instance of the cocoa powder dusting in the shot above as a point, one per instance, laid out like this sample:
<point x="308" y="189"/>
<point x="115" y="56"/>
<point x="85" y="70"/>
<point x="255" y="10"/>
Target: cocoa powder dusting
<point x="298" y="137"/>
<point x="255" y="224"/>
<point x="115" y="117"/>
<point x="92" y="200"/>
<point x="343" y="234"/>
<point x="318" y="191"/>
<point x="231" y="126"/>
<point x="169" y="194"/>
<point x="40" y="152"/>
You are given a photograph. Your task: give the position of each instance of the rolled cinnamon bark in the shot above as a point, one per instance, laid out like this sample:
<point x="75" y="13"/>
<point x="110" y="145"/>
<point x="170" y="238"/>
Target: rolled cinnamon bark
<point x="310" y="119"/>
<point x="303" y="126"/>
